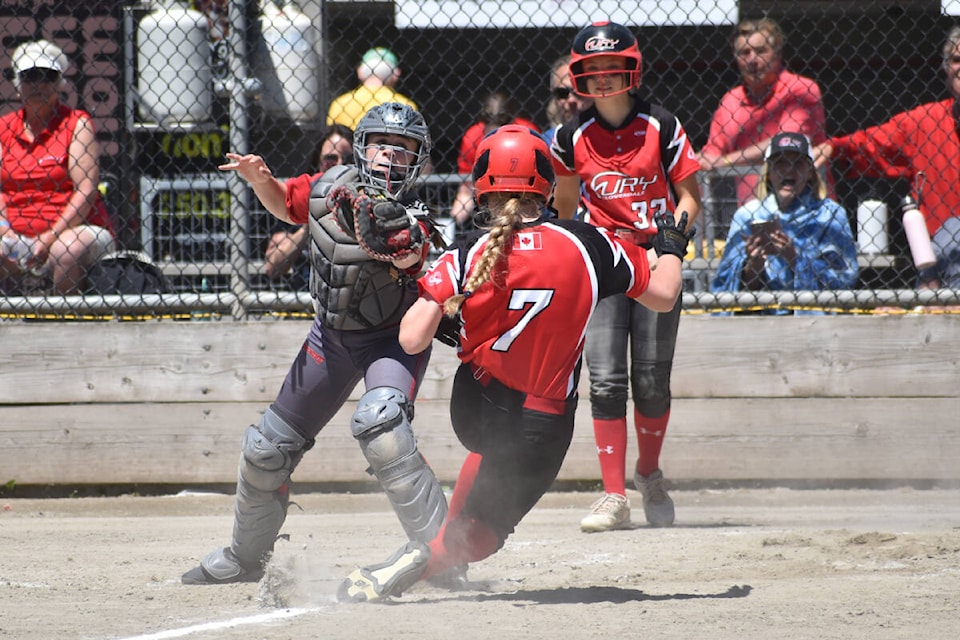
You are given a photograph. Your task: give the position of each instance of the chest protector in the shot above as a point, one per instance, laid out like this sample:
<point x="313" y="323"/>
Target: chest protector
<point x="351" y="291"/>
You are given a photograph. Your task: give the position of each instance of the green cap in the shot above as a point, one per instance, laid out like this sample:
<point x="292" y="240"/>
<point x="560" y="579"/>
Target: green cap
<point x="377" y="55"/>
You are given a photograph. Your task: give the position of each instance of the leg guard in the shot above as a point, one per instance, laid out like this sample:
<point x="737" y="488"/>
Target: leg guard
<point x="271" y="451"/>
<point x="381" y="424"/>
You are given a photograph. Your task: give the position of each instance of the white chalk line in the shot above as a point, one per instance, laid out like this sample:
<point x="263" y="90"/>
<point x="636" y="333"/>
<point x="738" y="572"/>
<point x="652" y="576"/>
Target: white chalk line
<point x="224" y="624"/>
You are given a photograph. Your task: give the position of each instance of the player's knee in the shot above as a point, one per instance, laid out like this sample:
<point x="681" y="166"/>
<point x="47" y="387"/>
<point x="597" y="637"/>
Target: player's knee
<point x="271" y="451"/>
<point x="607" y="407"/>
<point x="651" y="391"/>
<point x="381" y="424"/>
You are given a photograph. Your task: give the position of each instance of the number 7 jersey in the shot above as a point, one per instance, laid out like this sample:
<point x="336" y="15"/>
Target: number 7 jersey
<point x="526" y="325"/>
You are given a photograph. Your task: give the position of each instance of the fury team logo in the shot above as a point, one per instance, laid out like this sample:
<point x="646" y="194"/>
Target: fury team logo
<point x="599" y="43"/>
<point x="610" y="185"/>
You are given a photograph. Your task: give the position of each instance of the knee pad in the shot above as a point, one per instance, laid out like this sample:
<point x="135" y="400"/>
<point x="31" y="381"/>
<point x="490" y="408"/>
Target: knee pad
<point x="651" y="389"/>
<point x="607" y="407"/>
<point x="381" y="424"/>
<point x="383" y="410"/>
<point x="271" y="451"/>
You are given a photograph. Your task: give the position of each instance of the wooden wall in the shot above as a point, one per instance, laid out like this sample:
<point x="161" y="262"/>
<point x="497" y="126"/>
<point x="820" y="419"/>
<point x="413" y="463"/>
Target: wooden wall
<point x="773" y="400"/>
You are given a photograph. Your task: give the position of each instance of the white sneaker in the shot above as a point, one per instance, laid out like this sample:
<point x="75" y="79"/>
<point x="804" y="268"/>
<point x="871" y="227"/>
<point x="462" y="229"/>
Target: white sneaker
<point x="610" y="512"/>
<point x="657" y="505"/>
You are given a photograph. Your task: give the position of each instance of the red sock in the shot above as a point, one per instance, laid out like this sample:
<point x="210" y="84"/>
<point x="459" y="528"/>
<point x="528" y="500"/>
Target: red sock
<point x="461" y="540"/>
<point x="650" y="434"/>
<point x="611" y="439"/>
<point x="440" y="558"/>
<point x="464" y="484"/>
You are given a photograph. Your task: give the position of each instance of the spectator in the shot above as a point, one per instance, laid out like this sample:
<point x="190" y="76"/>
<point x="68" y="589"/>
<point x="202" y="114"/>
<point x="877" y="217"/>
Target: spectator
<point x="793" y="237"/>
<point x="624" y="186"/>
<point x="564" y="104"/>
<point x="921" y="145"/>
<point x="378" y="72"/>
<point x="359" y="301"/>
<point x="498" y="109"/>
<point x="769" y="100"/>
<point x="49" y="198"/>
<point x="524" y="313"/>
<point x="287" y="242"/>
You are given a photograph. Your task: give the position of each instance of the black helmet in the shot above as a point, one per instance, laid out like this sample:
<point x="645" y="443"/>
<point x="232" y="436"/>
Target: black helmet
<point x="604" y="39"/>
<point x="398" y="119"/>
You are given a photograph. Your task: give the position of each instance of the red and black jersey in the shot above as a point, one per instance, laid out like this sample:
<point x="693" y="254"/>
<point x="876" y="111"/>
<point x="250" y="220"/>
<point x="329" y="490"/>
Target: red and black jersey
<point x="526" y="325"/>
<point x="628" y="172"/>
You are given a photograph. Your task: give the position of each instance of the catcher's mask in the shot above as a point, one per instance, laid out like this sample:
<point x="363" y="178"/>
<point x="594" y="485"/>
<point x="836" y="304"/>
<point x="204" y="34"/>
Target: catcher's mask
<point x="397" y="119"/>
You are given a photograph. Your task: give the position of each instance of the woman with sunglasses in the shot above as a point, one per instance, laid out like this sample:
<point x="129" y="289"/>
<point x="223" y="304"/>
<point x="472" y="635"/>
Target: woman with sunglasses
<point x="564" y="104"/>
<point x="51" y="212"/>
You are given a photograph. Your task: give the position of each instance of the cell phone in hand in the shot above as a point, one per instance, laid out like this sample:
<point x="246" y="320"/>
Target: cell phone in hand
<point x="763" y="227"/>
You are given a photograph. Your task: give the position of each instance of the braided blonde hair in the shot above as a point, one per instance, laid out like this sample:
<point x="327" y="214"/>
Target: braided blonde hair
<point x="507" y="215"/>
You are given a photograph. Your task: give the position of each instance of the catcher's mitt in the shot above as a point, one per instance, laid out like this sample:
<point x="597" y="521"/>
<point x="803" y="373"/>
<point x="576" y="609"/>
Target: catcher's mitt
<point x="381" y="225"/>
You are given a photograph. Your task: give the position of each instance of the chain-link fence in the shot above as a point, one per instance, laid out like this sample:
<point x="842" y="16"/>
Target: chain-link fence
<point x="171" y="86"/>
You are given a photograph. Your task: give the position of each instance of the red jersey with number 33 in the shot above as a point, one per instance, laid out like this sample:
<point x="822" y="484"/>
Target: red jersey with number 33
<point x="526" y="325"/>
<point x="627" y="173"/>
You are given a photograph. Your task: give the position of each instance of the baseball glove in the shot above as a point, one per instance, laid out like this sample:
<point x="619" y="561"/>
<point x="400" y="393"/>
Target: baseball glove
<point x="382" y="226"/>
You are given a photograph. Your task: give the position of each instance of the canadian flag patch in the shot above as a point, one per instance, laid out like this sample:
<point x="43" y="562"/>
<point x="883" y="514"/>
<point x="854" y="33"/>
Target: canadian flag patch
<point x="528" y="241"/>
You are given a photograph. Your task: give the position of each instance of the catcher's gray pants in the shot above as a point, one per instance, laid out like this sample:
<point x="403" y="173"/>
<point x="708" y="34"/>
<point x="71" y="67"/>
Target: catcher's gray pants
<point x="328" y="367"/>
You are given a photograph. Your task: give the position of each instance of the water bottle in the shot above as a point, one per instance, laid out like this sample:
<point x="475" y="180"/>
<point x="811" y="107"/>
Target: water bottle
<point x="16" y="248"/>
<point x="915" y="226"/>
<point x="872" y="227"/>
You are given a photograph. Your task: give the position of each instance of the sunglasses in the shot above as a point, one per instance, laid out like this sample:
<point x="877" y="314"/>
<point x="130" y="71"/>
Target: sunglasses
<point x="38" y="74"/>
<point x="329" y="160"/>
<point x="561" y="93"/>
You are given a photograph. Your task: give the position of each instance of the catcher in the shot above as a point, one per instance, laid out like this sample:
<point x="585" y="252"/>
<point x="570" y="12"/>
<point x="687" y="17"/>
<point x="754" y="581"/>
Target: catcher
<point x="368" y="236"/>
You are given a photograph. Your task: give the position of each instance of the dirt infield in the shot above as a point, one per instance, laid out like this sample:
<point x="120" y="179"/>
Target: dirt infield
<point x="757" y="563"/>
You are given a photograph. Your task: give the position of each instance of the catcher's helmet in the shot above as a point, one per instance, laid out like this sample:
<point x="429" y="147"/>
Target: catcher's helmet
<point x="398" y="119"/>
<point x="604" y="39"/>
<point x="513" y="159"/>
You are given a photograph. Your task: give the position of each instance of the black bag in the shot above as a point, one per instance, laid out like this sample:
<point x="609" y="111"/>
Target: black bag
<point x="128" y="272"/>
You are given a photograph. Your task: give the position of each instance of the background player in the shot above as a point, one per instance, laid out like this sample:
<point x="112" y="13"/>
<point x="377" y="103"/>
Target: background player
<point x="636" y="162"/>
<point x="525" y="290"/>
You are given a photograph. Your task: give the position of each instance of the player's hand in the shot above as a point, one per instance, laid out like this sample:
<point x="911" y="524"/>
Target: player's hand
<point x="672" y="238"/>
<point x="251" y="168"/>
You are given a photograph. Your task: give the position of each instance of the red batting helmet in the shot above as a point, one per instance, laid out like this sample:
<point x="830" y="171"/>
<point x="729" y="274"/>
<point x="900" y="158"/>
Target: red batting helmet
<point x="604" y="39"/>
<point x="513" y="159"/>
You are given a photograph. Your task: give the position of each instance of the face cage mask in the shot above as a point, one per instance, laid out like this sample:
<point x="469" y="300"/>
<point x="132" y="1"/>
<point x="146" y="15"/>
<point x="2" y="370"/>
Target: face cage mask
<point x="395" y="178"/>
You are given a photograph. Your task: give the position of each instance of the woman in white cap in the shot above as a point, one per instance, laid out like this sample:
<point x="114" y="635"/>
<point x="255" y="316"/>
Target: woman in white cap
<point x="52" y="220"/>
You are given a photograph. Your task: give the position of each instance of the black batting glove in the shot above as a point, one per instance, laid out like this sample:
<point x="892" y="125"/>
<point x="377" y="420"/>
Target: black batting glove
<point x="672" y="237"/>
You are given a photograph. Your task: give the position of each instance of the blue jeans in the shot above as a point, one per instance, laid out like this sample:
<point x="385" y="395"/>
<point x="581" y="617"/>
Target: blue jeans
<point x="617" y="323"/>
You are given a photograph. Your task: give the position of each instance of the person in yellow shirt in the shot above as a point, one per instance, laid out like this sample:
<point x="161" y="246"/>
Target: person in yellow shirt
<point x="378" y="72"/>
